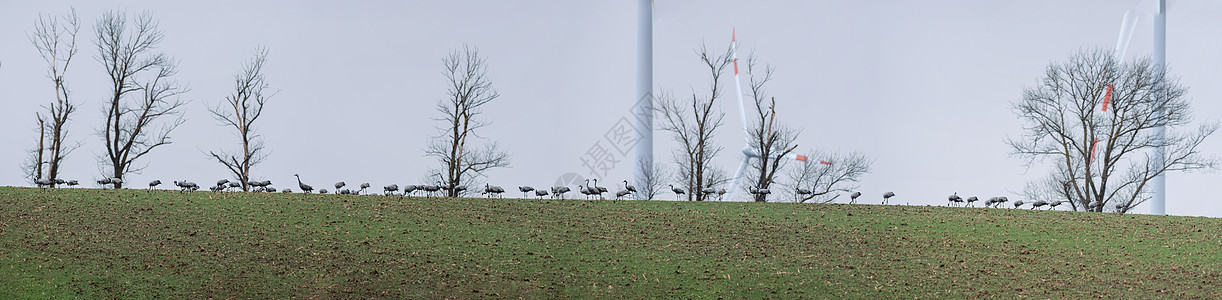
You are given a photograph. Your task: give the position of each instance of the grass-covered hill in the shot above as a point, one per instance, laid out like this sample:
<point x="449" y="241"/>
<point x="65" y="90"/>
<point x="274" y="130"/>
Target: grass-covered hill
<point x="87" y="243"/>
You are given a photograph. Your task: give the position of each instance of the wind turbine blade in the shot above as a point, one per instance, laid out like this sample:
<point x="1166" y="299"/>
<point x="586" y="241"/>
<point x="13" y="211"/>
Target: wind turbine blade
<point x="738" y="86"/>
<point x="1126" y="33"/>
<point x="738" y="176"/>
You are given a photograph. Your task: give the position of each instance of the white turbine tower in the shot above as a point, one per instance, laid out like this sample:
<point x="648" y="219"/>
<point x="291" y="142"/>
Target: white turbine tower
<point x="1158" y="203"/>
<point x="644" y="90"/>
<point x="749" y="152"/>
<point x="1158" y="199"/>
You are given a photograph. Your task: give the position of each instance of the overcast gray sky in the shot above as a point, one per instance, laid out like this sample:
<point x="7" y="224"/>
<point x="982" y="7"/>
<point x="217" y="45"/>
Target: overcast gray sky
<point x="922" y="86"/>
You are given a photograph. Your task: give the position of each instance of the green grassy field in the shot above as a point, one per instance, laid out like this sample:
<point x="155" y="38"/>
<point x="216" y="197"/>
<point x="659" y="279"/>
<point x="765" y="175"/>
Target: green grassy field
<point x="74" y="243"/>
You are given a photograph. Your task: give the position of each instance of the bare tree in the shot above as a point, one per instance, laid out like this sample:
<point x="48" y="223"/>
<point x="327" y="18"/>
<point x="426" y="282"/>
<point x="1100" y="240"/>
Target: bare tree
<point x="1092" y="116"/>
<point x="55" y="39"/>
<point x="693" y="124"/>
<point x="469" y="91"/>
<point x="240" y="111"/>
<point x="771" y="141"/>
<point x="652" y="181"/>
<point x="142" y="91"/>
<point x="832" y="173"/>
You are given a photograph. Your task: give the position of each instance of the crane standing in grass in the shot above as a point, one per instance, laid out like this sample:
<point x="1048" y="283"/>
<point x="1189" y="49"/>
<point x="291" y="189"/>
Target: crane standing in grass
<point x="305" y="188"/>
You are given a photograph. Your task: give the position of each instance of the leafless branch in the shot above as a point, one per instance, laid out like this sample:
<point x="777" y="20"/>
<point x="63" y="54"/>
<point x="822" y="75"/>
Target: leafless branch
<point x="462" y="111"/>
<point x="142" y="91"/>
<point x="694" y="123"/>
<point x="827" y="175"/>
<point x="1104" y="156"/>
<point x="240" y="111"/>
<point x="55" y="39"/>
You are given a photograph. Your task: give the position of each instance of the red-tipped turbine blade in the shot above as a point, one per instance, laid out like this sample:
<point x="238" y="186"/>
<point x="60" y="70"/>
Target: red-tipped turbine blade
<point x="825" y="162"/>
<point x="800" y="157"/>
<point x="1107" y="97"/>
<point x="1092" y="150"/>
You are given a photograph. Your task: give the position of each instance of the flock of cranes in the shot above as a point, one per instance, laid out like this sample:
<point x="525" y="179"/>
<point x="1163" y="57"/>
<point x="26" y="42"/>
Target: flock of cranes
<point x="589" y="190"/>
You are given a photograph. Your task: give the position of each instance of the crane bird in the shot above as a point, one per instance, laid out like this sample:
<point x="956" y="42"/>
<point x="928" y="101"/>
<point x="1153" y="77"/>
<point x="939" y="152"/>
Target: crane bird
<point x="1018" y="203"/>
<point x="1038" y="204"/>
<point x="992" y="202"/>
<point x="525" y="189"/>
<point x="409" y="189"/>
<point x="363" y="187"/>
<point x="620" y="194"/>
<point x="217" y="188"/>
<point x="72" y="183"/>
<point x="305" y="188"/>
<point x="1002" y="199"/>
<point x="803" y="192"/>
<point x="1053" y="205"/>
<point x="344" y="192"/>
<point x="154" y="184"/>
<point x="720" y="192"/>
<point x="269" y="189"/>
<point x="676" y="191"/>
<point x="322" y="191"/>
<point x="338" y="185"/>
<point x="387" y="190"/>
<point x="44" y="183"/>
<point x="115" y="181"/>
<point x="759" y="192"/>
<point x="540" y="193"/>
<point x="559" y="191"/>
<point x="584" y="190"/>
<point x="887" y="197"/>
<point x="972" y="199"/>
<point x="1121" y="207"/>
<point x="235" y="185"/>
<point x="954" y="198"/>
<point x="287" y="191"/>
<point x="428" y="189"/>
<point x="186" y="185"/>
<point x="493" y="190"/>
<point x="853" y="197"/>
<point x="629" y="187"/>
<point x="708" y="192"/>
<point x="598" y="189"/>
<point x="222" y="182"/>
<point x="59" y="182"/>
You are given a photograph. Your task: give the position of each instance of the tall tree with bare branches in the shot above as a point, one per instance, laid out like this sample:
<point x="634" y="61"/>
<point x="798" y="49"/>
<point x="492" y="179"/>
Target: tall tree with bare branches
<point x="772" y="140"/>
<point x="456" y="148"/>
<point x="142" y="91"/>
<point x="240" y="111"/>
<point x="55" y="39"/>
<point x="693" y="123"/>
<point x="1092" y="116"/>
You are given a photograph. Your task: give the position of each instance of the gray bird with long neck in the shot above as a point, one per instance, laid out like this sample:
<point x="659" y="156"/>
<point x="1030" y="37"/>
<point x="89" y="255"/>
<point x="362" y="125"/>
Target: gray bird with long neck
<point x="305" y="188"/>
<point x="676" y="191"/>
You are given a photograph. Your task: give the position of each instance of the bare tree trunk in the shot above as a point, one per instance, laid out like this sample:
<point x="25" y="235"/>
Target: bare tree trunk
<point x="132" y="128"/>
<point x="469" y="91"/>
<point x="56" y="43"/>
<point x="240" y="111"/>
<point x="693" y="124"/>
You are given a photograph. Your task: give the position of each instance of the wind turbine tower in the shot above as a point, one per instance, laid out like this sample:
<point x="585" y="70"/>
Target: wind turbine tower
<point x="644" y="91"/>
<point x="1158" y="203"/>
